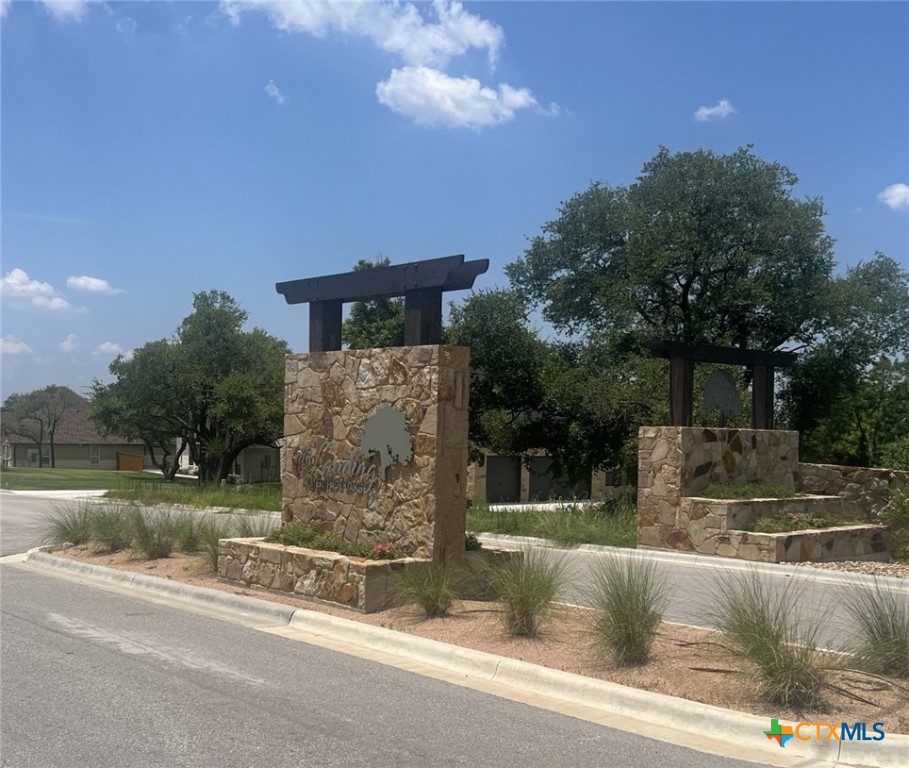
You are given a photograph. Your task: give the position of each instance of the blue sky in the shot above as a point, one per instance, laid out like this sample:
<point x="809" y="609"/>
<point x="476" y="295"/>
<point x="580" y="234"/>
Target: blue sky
<point x="151" y="150"/>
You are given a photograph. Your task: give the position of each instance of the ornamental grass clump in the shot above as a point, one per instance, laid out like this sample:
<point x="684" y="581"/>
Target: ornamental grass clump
<point x="435" y="589"/>
<point x="255" y="526"/>
<point x="628" y="598"/>
<point x="760" y="625"/>
<point x="881" y="619"/>
<point x="110" y="529"/>
<point x="526" y="586"/>
<point x="154" y="533"/>
<point x="69" y="524"/>
<point x="210" y="531"/>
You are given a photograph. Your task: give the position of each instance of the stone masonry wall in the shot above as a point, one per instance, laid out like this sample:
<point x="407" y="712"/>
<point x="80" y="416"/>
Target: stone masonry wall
<point x="676" y="462"/>
<point x="865" y="492"/>
<point x="336" y="473"/>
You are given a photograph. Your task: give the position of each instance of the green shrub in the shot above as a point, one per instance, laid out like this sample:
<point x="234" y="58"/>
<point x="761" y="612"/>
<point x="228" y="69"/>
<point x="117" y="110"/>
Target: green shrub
<point x="295" y="534"/>
<point x="154" y="533"/>
<point x="782" y="521"/>
<point x="760" y="626"/>
<point x="304" y="534"/>
<point x="434" y="589"/>
<point x="895" y="455"/>
<point x="881" y="619"/>
<point x="628" y="598"/>
<point x="110" y="529"/>
<point x="69" y="523"/>
<point x="472" y="543"/>
<point x="896" y="515"/>
<point x="526" y="586"/>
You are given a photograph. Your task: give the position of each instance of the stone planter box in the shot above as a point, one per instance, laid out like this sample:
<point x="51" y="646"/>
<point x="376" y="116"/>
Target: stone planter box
<point x="821" y="545"/>
<point x="742" y="514"/>
<point x="722" y="527"/>
<point x="356" y="583"/>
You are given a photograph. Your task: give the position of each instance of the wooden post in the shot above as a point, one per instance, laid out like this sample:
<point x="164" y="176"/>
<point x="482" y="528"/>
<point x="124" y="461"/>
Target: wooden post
<point x="681" y="391"/>
<point x="762" y="397"/>
<point x="324" y="326"/>
<point x="423" y="316"/>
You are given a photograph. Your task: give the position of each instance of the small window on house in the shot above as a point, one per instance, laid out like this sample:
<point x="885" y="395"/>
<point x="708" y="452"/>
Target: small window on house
<point x="95" y="454"/>
<point x="45" y="455"/>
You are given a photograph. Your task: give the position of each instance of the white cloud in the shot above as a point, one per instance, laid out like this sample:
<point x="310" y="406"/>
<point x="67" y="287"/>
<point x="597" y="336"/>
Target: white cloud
<point x="69" y="343"/>
<point x="394" y="27"/>
<point x="51" y="304"/>
<point x="17" y="283"/>
<point x="718" y="111"/>
<point x="93" y="284"/>
<point x="4" y="6"/>
<point x="66" y="10"/>
<point x="10" y="345"/>
<point x="272" y="90"/>
<point x="426" y="41"/>
<point x="430" y="97"/>
<point x="895" y="197"/>
<point x="108" y="349"/>
<point x="126" y="26"/>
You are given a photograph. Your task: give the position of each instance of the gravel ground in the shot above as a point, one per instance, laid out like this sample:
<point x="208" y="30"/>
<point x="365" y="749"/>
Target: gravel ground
<point x="898" y="570"/>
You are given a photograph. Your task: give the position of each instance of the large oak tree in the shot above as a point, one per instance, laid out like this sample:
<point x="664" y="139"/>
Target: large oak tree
<point x="214" y="389"/>
<point x="701" y="247"/>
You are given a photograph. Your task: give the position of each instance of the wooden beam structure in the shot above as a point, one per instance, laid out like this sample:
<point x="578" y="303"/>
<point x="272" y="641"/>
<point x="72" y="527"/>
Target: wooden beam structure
<point x="421" y="283"/>
<point x="682" y="357"/>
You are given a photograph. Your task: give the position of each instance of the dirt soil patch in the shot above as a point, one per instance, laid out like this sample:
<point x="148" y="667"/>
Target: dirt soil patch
<point x="686" y="661"/>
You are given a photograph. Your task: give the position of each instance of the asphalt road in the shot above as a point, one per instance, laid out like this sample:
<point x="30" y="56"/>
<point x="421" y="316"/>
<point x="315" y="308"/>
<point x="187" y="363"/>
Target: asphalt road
<point x="815" y="596"/>
<point x="21" y="525"/>
<point x="101" y="679"/>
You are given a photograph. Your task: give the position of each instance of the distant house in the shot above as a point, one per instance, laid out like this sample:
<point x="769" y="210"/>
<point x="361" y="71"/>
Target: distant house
<point x="77" y="444"/>
<point x="255" y="464"/>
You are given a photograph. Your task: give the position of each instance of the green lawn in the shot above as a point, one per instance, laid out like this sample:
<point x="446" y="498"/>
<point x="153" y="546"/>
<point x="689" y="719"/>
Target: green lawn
<point x="144" y="487"/>
<point x="32" y="479"/>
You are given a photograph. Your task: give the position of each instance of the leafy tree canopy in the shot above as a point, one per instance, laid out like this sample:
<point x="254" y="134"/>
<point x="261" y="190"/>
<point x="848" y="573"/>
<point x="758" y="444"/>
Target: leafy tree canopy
<point x="701" y="248"/>
<point x="849" y="392"/>
<point x="376" y="323"/>
<point x="213" y="388"/>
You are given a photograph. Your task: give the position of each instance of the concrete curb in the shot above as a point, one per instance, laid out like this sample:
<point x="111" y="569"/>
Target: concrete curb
<point x="246" y="609"/>
<point x="716" y="726"/>
<point x="820" y="575"/>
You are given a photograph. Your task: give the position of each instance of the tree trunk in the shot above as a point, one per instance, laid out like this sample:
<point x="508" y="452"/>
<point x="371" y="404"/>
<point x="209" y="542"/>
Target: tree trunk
<point x="171" y="472"/>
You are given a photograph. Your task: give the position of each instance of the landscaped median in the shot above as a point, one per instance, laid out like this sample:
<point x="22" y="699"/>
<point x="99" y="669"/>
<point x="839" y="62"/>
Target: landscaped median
<point x="680" y="721"/>
<point x="360" y="583"/>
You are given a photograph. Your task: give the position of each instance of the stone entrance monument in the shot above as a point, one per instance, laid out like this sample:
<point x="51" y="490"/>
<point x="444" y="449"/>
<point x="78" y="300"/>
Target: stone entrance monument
<point x="375" y="441"/>
<point x="677" y="462"/>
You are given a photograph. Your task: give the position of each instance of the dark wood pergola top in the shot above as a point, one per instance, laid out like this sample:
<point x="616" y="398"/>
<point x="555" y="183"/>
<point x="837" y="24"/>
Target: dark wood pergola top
<point x="711" y="353"/>
<point x="449" y="273"/>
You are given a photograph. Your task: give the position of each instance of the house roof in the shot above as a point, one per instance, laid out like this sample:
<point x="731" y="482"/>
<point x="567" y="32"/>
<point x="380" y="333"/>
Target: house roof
<point x="76" y="427"/>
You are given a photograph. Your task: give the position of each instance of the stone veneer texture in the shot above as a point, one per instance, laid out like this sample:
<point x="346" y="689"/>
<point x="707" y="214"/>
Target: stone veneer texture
<point x="419" y="506"/>
<point x="675" y="462"/>
<point x="864" y="491"/>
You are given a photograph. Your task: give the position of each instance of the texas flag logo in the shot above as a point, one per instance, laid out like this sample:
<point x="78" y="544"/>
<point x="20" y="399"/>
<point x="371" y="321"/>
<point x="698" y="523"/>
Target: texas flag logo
<point x="782" y="733"/>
